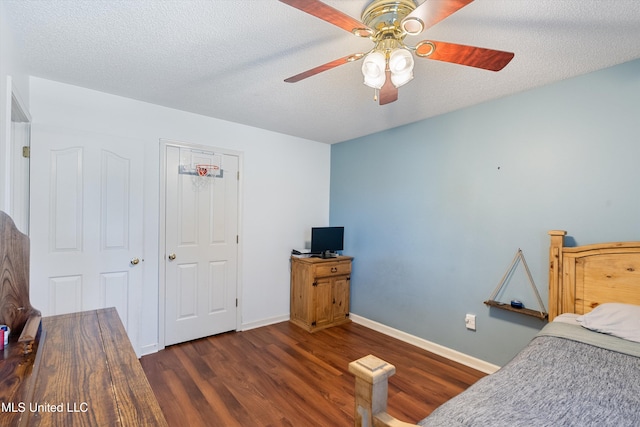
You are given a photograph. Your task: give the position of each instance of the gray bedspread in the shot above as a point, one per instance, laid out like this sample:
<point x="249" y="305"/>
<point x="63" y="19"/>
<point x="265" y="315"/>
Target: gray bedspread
<point x="564" y="377"/>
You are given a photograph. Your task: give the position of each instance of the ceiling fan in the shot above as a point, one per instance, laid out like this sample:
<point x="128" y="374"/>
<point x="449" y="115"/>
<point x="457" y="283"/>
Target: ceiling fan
<point x="389" y="64"/>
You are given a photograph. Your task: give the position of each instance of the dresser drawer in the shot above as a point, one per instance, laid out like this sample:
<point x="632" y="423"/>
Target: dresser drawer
<point x="333" y="269"/>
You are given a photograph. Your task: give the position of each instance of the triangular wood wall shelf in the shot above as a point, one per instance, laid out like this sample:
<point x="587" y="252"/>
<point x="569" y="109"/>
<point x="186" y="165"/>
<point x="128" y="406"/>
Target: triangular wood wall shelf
<point x="540" y="314"/>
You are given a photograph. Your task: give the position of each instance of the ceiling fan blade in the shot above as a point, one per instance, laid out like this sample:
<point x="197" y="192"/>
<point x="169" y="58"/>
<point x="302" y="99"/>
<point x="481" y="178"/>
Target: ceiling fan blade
<point x="331" y="15"/>
<point x="471" y="56"/>
<point x="388" y="92"/>
<point x="430" y="13"/>
<point x="324" y="67"/>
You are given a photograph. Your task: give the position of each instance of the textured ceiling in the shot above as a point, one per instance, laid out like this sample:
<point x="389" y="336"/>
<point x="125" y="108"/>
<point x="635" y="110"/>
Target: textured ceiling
<point x="228" y="58"/>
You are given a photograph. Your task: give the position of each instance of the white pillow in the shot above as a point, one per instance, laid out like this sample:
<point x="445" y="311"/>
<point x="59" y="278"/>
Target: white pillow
<point x="620" y="320"/>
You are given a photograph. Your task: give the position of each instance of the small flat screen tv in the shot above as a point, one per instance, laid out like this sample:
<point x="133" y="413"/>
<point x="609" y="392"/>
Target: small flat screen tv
<point x="327" y="241"/>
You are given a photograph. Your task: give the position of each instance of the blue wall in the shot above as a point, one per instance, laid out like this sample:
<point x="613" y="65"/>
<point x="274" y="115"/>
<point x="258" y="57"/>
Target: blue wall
<point x="436" y="210"/>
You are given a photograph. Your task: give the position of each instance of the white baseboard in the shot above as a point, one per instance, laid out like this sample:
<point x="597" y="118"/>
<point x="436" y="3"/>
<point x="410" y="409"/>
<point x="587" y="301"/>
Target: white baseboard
<point x="148" y="349"/>
<point x="263" y="322"/>
<point x="438" y="349"/>
<point x="154" y="348"/>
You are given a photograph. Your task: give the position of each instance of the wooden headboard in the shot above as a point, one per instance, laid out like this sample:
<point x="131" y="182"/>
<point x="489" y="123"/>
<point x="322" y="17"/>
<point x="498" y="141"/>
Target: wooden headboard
<point x="16" y="310"/>
<point x="583" y="277"/>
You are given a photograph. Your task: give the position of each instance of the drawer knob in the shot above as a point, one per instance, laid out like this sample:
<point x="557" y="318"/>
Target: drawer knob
<point x="334" y="269"/>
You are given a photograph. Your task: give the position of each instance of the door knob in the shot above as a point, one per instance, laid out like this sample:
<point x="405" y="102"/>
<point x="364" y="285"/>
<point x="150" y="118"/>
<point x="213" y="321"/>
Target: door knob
<point x="172" y="257"/>
<point x="135" y="261"/>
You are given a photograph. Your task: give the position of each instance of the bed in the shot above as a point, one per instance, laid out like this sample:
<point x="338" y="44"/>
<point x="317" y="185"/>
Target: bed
<point x="582" y="369"/>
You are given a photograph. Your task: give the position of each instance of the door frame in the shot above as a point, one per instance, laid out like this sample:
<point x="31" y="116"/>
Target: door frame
<point x="15" y="180"/>
<point x="162" y="242"/>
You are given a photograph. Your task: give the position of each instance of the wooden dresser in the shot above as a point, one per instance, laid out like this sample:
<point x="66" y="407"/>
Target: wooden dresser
<point x="82" y="372"/>
<point x="320" y="291"/>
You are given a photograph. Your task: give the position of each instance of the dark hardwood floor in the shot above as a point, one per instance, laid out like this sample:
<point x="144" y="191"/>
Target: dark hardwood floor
<point x="281" y="375"/>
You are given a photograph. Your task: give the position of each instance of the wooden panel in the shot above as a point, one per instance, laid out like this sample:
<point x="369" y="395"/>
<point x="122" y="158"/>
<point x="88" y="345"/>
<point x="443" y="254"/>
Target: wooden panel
<point x="608" y="278"/>
<point x="341" y="298"/>
<point x="583" y="277"/>
<point x="17" y="375"/>
<point x="505" y="306"/>
<point x="320" y="261"/>
<point x="322" y="303"/>
<point x="15" y="304"/>
<point x="568" y="296"/>
<point x="333" y="269"/>
<point x="555" y="272"/>
<point x="300" y="297"/>
<point x="73" y="371"/>
<point x="137" y="405"/>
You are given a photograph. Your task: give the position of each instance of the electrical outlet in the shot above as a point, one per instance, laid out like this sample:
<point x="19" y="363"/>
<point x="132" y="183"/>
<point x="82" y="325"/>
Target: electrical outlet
<point x="470" y="321"/>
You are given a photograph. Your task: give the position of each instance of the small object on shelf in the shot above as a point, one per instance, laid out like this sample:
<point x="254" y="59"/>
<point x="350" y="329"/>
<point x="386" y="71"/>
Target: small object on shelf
<point x="5" y="334"/>
<point x="516" y="305"/>
<point x="527" y="311"/>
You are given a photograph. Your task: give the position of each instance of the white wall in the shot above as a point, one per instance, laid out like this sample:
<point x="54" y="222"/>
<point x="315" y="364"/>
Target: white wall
<point x="465" y="190"/>
<point x="279" y="204"/>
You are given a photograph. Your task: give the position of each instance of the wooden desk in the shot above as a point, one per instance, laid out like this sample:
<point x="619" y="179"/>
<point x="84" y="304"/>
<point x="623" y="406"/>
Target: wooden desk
<point x="84" y="372"/>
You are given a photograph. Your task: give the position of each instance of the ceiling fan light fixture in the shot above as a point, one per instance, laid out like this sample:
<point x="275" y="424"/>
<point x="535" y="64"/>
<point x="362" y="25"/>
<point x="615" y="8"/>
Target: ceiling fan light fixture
<point x="389" y="64"/>
<point x="373" y="69"/>
<point x="401" y="66"/>
<point x="399" y="79"/>
<point x="400" y="61"/>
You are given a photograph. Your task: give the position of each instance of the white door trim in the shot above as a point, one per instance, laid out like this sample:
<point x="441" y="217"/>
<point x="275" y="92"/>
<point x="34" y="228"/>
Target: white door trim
<point x="15" y="191"/>
<point x="162" y="257"/>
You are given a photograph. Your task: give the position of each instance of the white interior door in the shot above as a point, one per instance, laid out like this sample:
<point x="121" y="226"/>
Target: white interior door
<point x="86" y="223"/>
<point x="201" y="243"/>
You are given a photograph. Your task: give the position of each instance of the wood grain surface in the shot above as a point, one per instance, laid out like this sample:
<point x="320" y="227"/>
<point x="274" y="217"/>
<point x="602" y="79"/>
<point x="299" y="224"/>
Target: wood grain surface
<point x="85" y="373"/>
<point x="281" y="375"/>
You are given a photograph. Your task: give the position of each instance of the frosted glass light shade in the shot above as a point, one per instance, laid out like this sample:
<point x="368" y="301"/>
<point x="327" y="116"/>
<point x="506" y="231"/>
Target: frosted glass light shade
<point x="399" y="79"/>
<point x="401" y="66"/>
<point x="373" y="69"/>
